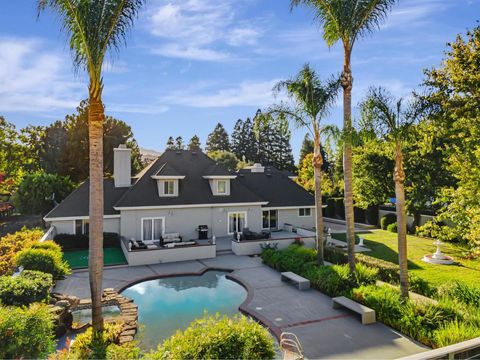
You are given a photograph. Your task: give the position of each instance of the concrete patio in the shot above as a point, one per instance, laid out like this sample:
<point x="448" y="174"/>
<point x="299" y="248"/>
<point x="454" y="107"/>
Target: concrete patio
<point x="323" y="331"/>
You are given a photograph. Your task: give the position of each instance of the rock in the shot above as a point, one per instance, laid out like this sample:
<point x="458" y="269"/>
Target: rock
<point x="129" y="333"/>
<point x="63" y="304"/>
<point x="124" y="339"/>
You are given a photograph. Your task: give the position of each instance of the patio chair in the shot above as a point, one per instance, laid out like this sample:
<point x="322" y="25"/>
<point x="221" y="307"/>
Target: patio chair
<point x="291" y="347"/>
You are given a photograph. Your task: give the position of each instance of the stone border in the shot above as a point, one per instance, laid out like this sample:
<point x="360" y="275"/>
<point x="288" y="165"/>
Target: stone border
<point x="128" y="311"/>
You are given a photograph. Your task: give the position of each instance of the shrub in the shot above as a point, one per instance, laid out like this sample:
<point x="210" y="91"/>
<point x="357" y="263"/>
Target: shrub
<point x="438" y="230"/>
<point x="26" y="332"/>
<point x="218" y="338"/>
<point x="11" y="244"/>
<point x="80" y="242"/>
<point x="387" y="271"/>
<point x="47" y="245"/>
<point x="29" y="287"/>
<point x="43" y="260"/>
<point x="420" y="286"/>
<point x="335" y="256"/>
<point x="464" y="293"/>
<point x="455" y="332"/>
<point x="387" y="219"/>
<point x="393" y="227"/>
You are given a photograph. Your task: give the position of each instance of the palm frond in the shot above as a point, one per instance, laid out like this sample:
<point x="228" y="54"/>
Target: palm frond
<point x="94" y="27"/>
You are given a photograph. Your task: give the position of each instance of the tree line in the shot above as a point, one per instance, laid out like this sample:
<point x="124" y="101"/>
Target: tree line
<point x="265" y="140"/>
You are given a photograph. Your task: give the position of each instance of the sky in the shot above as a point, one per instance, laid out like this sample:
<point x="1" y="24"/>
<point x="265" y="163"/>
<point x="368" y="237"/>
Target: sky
<point x="189" y="64"/>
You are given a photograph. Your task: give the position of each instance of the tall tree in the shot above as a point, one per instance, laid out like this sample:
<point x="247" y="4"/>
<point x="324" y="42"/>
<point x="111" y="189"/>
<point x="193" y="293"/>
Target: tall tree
<point x="179" y="143"/>
<point x="282" y="152"/>
<point x="346" y="21"/>
<point x="95" y="27"/>
<point x="250" y="149"/>
<point x="394" y="122"/>
<point x="312" y="99"/>
<point x="307" y="147"/>
<point x="237" y="143"/>
<point x="194" y="143"/>
<point x="218" y="140"/>
<point x="170" y="143"/>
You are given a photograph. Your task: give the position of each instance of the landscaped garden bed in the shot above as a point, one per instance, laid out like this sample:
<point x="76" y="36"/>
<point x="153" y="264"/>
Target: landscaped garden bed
<point x="452" y="317"/>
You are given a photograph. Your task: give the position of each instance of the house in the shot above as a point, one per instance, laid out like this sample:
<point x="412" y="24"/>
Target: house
<point x="182" y="190"/>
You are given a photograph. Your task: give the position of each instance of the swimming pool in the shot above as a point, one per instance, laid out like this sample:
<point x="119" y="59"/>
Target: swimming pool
<point x="170" y="304"/>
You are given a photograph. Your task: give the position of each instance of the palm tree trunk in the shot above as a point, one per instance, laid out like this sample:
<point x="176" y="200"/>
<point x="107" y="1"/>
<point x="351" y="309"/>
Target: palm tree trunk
<point x="399" y="178"/>
<point x="347" y="84"/>
<point x="95" y="135"/>
<point x="317" y="172"/>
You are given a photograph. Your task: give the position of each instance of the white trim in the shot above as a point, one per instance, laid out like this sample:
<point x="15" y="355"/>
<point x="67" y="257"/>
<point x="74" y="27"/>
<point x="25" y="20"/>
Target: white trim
<point x="304" y="208"/>
<point x="236" y="212"/>
<point x="219" y="177"/>
<point x="153" y="222"/>
<point x="288" y="207"/>
<point x="168" y="177"/>
<point x="188" y="206"/>
<point x="79" y="218"/>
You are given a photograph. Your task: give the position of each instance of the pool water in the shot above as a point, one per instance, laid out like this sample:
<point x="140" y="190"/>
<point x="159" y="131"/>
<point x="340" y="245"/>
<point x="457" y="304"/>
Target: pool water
<point x="85" y="315"/>
<point x="170" y="304"/>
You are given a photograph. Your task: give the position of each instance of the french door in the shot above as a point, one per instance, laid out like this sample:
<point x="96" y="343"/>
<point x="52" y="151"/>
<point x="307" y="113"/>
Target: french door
<point x="152" y="228"/>
<point x="237" y="221"/>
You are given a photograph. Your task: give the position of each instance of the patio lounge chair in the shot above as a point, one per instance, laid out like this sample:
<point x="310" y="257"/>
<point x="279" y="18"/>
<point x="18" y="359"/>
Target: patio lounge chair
<point x="137" y="244"/>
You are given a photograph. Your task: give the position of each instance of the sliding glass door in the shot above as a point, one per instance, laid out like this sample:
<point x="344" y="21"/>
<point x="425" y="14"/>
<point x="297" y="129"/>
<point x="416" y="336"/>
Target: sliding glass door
<point x="152" y="228"/>
<point x="270" y="219"/>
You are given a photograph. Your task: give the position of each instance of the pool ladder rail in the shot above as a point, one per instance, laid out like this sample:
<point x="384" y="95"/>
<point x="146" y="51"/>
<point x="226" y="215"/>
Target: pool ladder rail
<point x="291" y="347"/>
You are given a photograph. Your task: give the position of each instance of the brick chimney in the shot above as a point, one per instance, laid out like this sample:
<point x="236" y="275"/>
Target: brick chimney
<point x="122" y="168"/>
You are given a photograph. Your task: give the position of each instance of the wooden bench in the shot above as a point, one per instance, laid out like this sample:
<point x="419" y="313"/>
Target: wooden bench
<point x="368" y="315"/>
<point x="303" y="284"/>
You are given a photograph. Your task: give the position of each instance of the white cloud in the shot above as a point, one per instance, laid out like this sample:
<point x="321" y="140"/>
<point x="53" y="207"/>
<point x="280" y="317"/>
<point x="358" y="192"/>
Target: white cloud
<point x="196" y="29"/>
<point x="150" y="109"/>
<point x="413" y="13"/>
<point x="247" y="93"/>
<point x="33" y="79"/>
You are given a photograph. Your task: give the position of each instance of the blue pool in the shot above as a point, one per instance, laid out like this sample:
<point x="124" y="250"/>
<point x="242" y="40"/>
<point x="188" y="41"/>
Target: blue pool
<point x="170" y="304"/>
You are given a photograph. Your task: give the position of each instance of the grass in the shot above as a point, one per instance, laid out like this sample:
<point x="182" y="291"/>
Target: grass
<point x="78" y="259"/>
<point x="384" y="246"/>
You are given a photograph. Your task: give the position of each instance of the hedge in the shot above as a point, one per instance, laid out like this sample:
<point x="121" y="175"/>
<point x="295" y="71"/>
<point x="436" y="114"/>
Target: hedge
<point x="387" y="219"/>
<point x="29" y="287"/>
<point x="48" y="261"/>
<point x="218" y="338"/>
<point x="81" y="242"/>
<point x="26" y="333"/>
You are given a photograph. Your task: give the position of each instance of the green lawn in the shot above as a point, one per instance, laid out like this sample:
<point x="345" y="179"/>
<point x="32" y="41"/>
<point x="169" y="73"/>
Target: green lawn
<point x="384" y="246"/>
<point x="78" y="259"/>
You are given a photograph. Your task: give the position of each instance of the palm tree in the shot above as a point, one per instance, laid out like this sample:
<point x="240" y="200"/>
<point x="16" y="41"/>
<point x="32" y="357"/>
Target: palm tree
<point x="347" y="20"/>
<point x="94" y="27"/>
<point x="312" y="99"/>
<point x="393" y="122"/>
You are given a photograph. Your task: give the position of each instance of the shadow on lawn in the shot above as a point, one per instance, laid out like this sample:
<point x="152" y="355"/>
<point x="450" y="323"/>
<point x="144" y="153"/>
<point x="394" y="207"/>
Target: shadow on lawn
<point x="379" y="250"/>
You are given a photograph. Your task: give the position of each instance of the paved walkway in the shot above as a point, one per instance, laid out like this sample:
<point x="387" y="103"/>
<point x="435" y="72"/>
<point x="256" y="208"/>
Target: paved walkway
<point x="323" y="331"/>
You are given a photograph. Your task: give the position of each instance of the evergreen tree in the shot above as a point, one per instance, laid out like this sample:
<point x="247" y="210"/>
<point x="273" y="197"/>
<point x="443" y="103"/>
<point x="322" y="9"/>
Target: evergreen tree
<point x="179" y="143"/>
<point x="282" y="150"/>
<point x="170" y="143"/>
<point x="250" y="147"/>
<point x="238" y="140"/>
<point x="307" y="147"/>
<point x="194" y="143"/>
<point x="263" y="138"/>
<point x="218" y="140"/>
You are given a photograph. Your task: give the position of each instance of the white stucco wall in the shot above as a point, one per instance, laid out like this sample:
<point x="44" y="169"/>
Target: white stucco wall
<point x="290" y="216"/>
<point x="68" y="226"/>
<point x="183" y="253"/>
<point x="186" y="220"/>
<point x="254" y="247"/>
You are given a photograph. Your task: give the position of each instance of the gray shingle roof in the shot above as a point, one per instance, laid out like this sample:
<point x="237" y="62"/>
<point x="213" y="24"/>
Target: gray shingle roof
<point x="275" y="187"/>
<point x="193" y="190"/>
<point x="76" y="204"/>
<point x="271" y="186"/>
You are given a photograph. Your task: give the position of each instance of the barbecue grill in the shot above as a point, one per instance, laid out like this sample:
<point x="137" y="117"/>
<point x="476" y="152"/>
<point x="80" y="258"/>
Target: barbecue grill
<point x="202" y="232"/>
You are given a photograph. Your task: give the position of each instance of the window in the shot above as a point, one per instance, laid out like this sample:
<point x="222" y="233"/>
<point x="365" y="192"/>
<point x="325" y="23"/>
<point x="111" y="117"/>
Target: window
<point x="304" y="212"/>
<point x="169" y="187"/>
<point x="152" y="228"/>
<point x="81" y="227"/>
<point x="269" y="219"/>
<point x="237" y="221"/>
<point x="222" y="186"/>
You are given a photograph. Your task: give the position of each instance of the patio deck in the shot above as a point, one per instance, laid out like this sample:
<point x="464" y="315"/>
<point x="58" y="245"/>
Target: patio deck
<point x="323" y="331"/>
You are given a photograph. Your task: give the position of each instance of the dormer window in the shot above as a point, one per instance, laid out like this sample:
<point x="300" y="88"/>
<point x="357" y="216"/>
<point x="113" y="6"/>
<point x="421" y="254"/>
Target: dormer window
<point x="222" y="186"/>
<point x="169" y="187"/>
